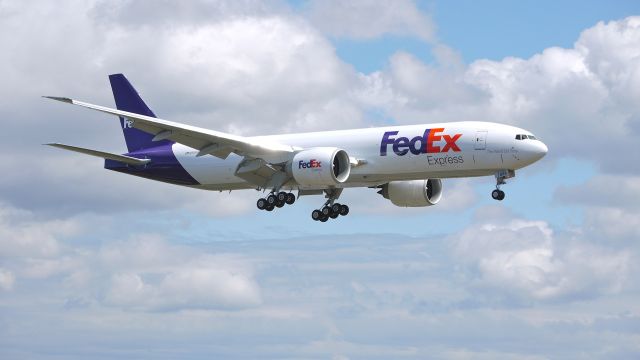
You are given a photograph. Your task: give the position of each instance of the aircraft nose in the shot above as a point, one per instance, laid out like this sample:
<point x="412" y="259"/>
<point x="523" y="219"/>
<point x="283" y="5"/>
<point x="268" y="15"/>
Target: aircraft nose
<point x="540" y="150"/>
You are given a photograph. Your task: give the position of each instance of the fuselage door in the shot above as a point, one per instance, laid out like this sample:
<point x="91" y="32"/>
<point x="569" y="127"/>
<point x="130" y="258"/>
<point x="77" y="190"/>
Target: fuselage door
<point x="481" y="139"/>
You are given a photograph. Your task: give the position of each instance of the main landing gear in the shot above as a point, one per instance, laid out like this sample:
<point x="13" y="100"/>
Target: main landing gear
<point x="329" y="212"/>
<point x="501" y="176"/>
<point x="275" y="200"/>
<point x="330" y="209"/>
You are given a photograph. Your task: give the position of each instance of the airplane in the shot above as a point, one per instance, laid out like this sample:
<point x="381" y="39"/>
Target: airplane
<point x="404" y="163"/>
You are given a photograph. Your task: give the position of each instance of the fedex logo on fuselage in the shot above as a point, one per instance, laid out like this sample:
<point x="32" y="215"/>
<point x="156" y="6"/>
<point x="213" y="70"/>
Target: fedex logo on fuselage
<point x="430" y="142"/>
<point x="311" y="164"/>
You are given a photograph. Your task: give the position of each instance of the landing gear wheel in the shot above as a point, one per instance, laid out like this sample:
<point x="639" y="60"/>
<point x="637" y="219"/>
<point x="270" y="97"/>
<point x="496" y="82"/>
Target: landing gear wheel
<point x="262" y="204"/>
<point x="334" y="215"/>
<point x="501" y="196"/>
<point x="280" y="203"/>
<point x="290" y="198"/>
<point x="282" y="196"/>
<point x="344" y="210"/>
<point x="272" y="200"/>
<point x="498" y="194"/>
<point x="324" y="219"/>
<point x="269" y="208"/>
<point x="335" y="208"/>
<point x="316" y="215"/>
<point x="326" y="211"/>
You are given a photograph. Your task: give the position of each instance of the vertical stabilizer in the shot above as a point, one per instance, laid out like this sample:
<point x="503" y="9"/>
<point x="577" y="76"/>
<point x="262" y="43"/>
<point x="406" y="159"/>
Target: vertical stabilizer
<point x="127" y="99"/>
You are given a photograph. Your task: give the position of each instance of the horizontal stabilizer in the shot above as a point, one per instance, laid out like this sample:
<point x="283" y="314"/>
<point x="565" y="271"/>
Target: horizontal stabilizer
<point x="101" y="154"/>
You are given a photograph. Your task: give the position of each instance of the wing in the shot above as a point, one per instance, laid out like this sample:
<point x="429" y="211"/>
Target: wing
<point x="207" y="141"/>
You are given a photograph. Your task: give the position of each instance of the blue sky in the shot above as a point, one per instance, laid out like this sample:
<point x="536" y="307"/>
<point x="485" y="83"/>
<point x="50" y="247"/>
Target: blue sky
<point x="490" y="29"/>
<point x="95" y="264"/>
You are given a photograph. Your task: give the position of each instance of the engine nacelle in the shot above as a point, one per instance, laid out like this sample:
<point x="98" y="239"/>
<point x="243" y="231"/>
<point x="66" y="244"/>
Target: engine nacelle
<point x="413" y="193"/>
<point x="320" y="167"/>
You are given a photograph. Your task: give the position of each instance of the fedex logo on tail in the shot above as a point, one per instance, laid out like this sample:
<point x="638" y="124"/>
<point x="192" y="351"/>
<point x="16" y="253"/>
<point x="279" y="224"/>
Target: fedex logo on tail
<point x="311" y="164"/>
<point x="430" y="142"/>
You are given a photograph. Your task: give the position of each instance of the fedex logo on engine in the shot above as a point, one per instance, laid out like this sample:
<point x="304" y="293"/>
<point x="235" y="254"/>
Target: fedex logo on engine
<point x="430" y="142"/>
<point x="311" y="164"/>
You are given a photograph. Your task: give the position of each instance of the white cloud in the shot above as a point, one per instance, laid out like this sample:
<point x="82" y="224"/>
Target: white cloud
<point x="7" y="279"/>
<point x="613" y="224"/>
<point x="578" y="100"/>
<point x="255" y="72"/>
<point x="23" y="235"/>
<point x="148" y="273"/>
<point x="525" y="259"/>
<point x="144" y="272"/>
<point x="611" y="208"/>
<point x="621" y="191"/>
<point x="368" y="19"/>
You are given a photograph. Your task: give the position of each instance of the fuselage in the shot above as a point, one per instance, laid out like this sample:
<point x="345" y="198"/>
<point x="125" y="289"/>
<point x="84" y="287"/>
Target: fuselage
<point x="379" y="155"/>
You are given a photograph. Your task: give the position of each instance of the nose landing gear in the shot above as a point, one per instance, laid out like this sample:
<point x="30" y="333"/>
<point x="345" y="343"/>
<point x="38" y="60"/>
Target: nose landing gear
<point x="497" y="194"/>
<point x="501" y="177"/>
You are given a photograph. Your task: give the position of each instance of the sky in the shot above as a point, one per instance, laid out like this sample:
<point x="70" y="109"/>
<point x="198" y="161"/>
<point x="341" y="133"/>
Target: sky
<point x="97" y="265"/>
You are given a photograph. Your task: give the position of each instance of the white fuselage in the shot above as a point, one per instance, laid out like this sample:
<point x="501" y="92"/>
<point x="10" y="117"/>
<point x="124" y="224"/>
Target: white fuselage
<point x="457" y="149"/>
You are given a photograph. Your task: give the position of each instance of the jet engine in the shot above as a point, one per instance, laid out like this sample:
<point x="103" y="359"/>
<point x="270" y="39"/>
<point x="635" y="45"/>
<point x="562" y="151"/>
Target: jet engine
<point x="413" y="193"/>
<point x="320" y="167"/>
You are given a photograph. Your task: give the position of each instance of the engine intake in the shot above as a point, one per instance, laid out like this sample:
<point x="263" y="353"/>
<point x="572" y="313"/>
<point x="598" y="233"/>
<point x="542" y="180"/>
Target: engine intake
<point x="320" y="167"/>
<point x="413" y="193"/>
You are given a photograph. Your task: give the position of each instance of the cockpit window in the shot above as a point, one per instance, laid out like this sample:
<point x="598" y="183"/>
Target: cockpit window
<point x="525" y="137"/>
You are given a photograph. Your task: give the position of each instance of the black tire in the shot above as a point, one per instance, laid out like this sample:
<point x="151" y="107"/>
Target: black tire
<point x="261" y="204"/>
<point x="334" y="215"/>
<point x="272" y="199"/>
<point x="501" y="195"/>
<point x="335" y="208"/>
<point x="324" y="219"/>
<point x="344" y="210"/>
<point x="290" y="198"/>
<point x="495" y="194"/>
<point x="326" y="211"/>
<point x="282" y="196"/>
<point x="280" y="203"/>
<point x="269" y="208"/>
<point x="316" y="215"/>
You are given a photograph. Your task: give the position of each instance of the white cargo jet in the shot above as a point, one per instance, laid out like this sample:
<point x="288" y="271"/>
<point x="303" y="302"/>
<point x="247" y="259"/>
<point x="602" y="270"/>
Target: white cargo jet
<point x="406" y="163"/>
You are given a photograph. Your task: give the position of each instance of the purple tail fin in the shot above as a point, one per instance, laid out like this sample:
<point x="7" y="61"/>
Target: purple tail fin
<point x="127" y="99"/>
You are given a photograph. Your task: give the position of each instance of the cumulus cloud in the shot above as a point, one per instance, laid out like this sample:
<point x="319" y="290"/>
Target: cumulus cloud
<point x="569" y="97"/>
<point x="147" y="273"/>
<point x="24" y="235"/>
<point x="202" y="284"/>
<point x="143" y="272"/>
<point x="244" y="70"/>
<point x="368" y="19"/>
<point x="603" y="190"/>
<point x="611" y="208"/>
<point x="528" y="261"/>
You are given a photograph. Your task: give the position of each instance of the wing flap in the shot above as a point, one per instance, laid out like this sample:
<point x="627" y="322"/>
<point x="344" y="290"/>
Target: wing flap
<point x="101" y="154"/>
